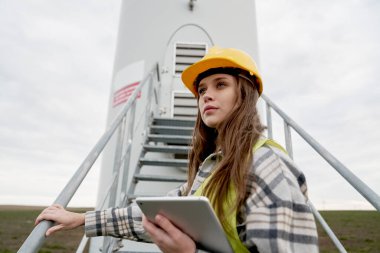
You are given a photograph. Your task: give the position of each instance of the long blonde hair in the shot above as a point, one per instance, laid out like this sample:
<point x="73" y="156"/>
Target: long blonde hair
<point x="235" y="137"/>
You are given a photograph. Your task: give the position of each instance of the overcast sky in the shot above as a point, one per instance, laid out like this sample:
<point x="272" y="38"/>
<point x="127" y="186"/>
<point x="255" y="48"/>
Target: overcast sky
<point x="320" y="63"/>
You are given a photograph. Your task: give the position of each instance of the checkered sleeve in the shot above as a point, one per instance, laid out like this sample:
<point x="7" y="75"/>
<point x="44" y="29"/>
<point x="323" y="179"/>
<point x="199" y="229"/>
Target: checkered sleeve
<point x="278" y="218"/>
<point x="116" y="222"/>
<point x="121" y="222"/>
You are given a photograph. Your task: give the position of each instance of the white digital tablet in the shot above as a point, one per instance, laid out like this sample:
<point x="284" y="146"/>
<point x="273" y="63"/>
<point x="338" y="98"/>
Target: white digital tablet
<point x="193" y="215"/>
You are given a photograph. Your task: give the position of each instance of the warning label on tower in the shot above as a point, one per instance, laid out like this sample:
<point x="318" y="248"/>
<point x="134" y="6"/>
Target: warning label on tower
<point x="122" y="95"/>
<point x="126" y="81"/>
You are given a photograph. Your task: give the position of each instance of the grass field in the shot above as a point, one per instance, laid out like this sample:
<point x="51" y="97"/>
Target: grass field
<point x="359" y="231"/>
<point x="17" y="222"/>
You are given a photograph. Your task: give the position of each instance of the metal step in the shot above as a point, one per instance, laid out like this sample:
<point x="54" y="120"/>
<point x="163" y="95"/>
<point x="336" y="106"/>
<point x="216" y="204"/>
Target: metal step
<point x="185" y="122"/>
<point x="170" y="139"/>
<point x="165" y="162"/>
<point x="172" y="130"/>
<point x="160" y="178"/>
<point x="167" y="149"/>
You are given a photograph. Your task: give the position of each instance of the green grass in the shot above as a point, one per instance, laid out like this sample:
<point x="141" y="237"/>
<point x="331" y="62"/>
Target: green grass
<point x="359" y="231"/>
<point x="16" y="223"/>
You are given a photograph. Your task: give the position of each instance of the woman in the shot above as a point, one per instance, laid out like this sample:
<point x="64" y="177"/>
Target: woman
<point x="256" y="190"/>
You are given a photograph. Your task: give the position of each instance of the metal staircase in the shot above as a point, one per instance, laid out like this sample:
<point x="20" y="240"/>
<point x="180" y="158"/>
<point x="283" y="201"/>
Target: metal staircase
<point x="161" y="159"/>
<point x="169" y="136"/>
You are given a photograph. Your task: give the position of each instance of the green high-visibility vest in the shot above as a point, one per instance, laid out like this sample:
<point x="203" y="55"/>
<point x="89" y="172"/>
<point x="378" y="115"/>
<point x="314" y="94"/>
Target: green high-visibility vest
<point x="233" y="236"/>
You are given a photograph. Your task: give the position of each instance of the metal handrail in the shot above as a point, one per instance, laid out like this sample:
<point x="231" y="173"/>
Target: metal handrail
<point x="359" y="185"/>
<point x="356" y="182"/>
<point x="122" y="160"/>
<point x="37" y="237"/>
<point x="327" y="228"/>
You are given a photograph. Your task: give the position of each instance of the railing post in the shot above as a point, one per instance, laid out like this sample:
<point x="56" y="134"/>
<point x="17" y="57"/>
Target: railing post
<point x="288" y="140"/>
<point x="149" y="103"/>
<point x="326" y="227"/>
<point x="103" y="201"/>
<point x="157" y="90"/>
<point x="127" y="157"/>
<point x="269" y="120"/>
<point x="108" y="242"/>
<point x="117" y="163"/>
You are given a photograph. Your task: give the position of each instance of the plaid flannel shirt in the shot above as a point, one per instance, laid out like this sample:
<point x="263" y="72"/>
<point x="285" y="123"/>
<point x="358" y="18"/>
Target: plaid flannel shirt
<point x="275" y="217"/>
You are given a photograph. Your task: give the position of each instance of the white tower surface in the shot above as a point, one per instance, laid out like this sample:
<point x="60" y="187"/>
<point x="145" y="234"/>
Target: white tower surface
<point x="153" y="32"/>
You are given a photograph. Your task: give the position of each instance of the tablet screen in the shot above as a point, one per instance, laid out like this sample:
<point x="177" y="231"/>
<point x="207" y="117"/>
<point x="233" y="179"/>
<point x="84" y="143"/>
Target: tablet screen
<point x="193" y="215"/>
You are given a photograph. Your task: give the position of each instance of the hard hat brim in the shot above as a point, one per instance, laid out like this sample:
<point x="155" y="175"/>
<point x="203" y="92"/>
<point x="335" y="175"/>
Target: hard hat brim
<point x="190" y="74"/>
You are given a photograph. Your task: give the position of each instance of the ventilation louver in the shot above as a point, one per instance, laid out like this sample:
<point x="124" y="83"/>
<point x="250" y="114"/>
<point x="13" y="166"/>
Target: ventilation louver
<point x="187" y="54"/>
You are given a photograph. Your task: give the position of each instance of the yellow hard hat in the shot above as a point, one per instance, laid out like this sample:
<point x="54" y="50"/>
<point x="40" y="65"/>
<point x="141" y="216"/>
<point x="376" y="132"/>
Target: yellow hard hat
<point x="218" y="57"/>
